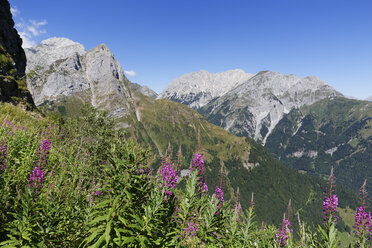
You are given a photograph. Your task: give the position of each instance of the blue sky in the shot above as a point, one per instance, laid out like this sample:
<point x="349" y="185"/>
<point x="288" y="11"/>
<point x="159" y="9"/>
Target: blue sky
<point x="162" y="40"/>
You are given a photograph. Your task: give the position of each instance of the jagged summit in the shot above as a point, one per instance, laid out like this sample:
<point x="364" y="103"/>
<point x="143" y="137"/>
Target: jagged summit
<point x="196" y="89"/>
<point x="51" y="50"/>
<point x="254" y="107"/>
<point x="61" y="68"/>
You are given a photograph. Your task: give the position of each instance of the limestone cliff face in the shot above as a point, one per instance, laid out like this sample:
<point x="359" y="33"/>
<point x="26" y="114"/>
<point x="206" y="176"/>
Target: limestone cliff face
<point x="12" y="61"/>
<point x="60" y="68"/>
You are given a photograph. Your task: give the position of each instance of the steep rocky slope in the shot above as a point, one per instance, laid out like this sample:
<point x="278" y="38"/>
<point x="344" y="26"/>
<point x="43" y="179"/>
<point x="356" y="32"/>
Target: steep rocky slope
<point x="253" y="108"/>
<point x="196" y="89"/>
<point x="12" y="61"/>
<point x="61" y="73"/>
<point x="332" y="132"/>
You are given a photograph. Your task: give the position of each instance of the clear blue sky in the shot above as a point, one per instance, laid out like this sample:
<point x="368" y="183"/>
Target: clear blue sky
<point x="163" y="39"/>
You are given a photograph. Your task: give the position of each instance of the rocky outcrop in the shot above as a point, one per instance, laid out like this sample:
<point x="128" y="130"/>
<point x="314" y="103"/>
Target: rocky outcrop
<point x="59" y="68"/>
<point x="10" y="40"/>
<point x="12" y="61"/>
<point x="197" y="89"/>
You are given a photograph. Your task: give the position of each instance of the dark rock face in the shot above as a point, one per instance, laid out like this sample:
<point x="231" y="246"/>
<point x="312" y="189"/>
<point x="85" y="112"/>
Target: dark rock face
<point x="12" y="62"/>
<point x="10" y="39"/>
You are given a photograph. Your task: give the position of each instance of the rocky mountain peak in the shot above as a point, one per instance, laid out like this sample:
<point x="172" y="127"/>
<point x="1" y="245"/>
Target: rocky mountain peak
<point x="62" y="69"/>
<point x="40" y="57"/>
<point x="254" y="107"/>
<point x="196" y="89"/>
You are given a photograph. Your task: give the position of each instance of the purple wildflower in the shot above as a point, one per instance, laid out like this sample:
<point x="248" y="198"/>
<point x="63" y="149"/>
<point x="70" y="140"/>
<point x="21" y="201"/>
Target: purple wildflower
<point x="204" y="189"/>
<point x="284" y="232"/>
<point x="362" y="221"/>
<point x="330" y="202"/>
<point x="36" y="179"/>
<point x="330" y="208"/>
<point x="3" y="156"/>
<point x="219" y="195"/>
<point x="43" y="153"/>
<point x="167" y="178"/>
<point x="198" y="163"/>
<point x="190" y="231"/>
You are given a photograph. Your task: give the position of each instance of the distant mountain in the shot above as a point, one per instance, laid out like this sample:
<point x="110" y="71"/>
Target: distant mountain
<point x="369" y="99"/>
<point x="196" y="89"/>
<point x="145" y="90"/>
<point x="331" y="132"/>
<point x="59" y="68"/>
<point x="253" y="108"/>
<point x="12" y="61"/>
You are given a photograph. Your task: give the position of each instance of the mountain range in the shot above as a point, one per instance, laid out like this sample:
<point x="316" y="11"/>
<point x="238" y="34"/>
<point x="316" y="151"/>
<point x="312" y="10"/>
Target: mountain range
<point x="303" y="122"/>
<point x="70" y="77"/>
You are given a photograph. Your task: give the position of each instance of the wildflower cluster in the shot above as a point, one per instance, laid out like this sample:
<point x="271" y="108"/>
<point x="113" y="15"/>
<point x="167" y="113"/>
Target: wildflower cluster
<point x="3" y="155"/>
<point x="91" y="196"/>
<point x="36" y="179"/>
<point x="284" y="232"/>
<point x="330" y="204"/>
<point x="362" y="221"/>
<point x="198" y="164"/>
<point x="167" y="178"/>
<point x="43" y="153"/>
<point x="191" y="229"/>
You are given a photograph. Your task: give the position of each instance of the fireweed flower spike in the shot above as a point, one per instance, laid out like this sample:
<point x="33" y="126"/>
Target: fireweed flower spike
<point x="36" y="179"/>
<point x="198" y="164"/>
<point x="3" y="156"/>
<point x="284" y="232"/>
<point x="219" y="195"/>
<point x="330" y="202"/>
<point x="362" y="223"/>
<point x="43" y="153"/>
<point x="167" y="179"/>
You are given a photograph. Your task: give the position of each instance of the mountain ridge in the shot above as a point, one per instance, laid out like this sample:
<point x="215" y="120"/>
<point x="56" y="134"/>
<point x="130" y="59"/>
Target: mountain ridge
<point x="208" y="86"/>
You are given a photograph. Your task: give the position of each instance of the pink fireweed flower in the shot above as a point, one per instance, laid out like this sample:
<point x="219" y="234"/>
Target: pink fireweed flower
<point x="43" y="153"/>
<point x="330" y="202"/>
<point x="362" y="221"/>
<point x="190" y="231"/>
<point x="204" y="189"/>
<point x="330" y="208"/>
<point x="3" y="156"/>
<point x="167" y="178"/>
<point x="198" y="163"/>
<point x="284" y="232"/>
<point x="36" y="179"/>
<point x="219" y="195"/>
